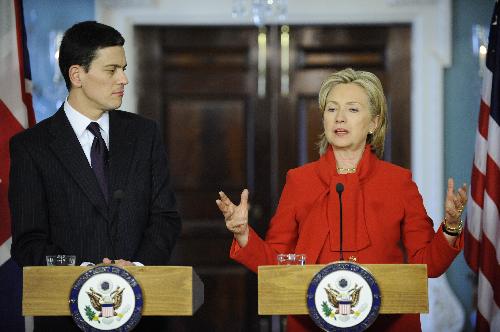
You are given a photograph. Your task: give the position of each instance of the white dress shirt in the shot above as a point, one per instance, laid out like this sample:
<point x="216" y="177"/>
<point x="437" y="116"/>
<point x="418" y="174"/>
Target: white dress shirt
<point x="80" y="122"/>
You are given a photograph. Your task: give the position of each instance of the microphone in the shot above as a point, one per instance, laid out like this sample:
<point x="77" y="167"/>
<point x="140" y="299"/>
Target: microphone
<point x="340" y="189"/>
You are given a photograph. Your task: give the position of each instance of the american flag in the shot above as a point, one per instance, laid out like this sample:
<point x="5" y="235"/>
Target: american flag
<point x="482" y="244"/>
<point x="16" y="113"/>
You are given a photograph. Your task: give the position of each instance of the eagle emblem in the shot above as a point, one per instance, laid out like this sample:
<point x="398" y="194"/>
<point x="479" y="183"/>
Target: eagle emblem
<point x="106" y="298"/>
<point x="343" y="302"/>
<point x="106" y="304"/>
<point x="343" y="296"/>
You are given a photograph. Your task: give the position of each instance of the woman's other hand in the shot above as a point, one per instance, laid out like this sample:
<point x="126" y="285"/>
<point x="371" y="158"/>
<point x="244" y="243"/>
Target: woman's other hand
<point x="454" y="203"/>
<point x="236" y="216"/>
<point x="453" y="207"/>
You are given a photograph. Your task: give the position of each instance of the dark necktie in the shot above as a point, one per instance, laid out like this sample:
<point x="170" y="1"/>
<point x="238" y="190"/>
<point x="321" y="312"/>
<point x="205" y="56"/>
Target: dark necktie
<point x="99" y="158"/>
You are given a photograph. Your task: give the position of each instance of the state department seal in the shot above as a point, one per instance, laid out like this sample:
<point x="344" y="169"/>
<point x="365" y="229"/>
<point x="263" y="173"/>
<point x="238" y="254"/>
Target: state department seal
<point x="343" y="296"/>
<point x="106" y="298"/>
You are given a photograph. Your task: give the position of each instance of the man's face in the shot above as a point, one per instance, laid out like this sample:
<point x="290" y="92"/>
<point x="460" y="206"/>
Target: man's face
<point x="103" y="85"/>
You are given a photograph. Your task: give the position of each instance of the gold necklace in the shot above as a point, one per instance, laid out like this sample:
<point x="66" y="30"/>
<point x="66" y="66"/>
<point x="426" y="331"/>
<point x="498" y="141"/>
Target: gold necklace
<point x="346" y="170"/>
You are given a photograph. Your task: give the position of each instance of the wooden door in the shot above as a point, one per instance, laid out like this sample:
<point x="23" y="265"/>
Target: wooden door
<point x="317" y="51"/>
<point x="200" y="84"/>
<point x="229" y="124"/>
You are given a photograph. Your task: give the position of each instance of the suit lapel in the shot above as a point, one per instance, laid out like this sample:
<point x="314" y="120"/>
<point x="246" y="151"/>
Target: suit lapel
<point x="121" y="152"/>
<point x="69" y="151"/>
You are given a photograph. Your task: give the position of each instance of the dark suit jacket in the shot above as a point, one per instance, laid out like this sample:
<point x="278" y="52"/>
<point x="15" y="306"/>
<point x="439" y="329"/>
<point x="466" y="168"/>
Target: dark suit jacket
<point x="58" y="208"/>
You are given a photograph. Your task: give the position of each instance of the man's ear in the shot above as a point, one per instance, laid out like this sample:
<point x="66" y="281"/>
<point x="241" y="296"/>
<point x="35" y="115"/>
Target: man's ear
<point x="75" y="71"/>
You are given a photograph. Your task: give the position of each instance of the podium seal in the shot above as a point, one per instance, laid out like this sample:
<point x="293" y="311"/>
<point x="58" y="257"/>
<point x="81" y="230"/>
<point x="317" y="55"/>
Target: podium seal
<point x="343" y="296"/>
<point x="106" y="298"/>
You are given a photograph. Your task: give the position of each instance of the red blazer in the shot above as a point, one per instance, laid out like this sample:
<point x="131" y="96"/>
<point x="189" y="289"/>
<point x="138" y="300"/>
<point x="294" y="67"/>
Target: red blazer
<point x="383" y="219"/>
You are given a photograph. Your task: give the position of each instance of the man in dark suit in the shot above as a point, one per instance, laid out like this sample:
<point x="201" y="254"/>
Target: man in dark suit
<point x="92" y="181"/>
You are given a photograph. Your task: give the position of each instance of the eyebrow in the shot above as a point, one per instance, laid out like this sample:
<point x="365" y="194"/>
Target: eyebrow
<point x="116" y="66"/>
<point x="348" y="103"/>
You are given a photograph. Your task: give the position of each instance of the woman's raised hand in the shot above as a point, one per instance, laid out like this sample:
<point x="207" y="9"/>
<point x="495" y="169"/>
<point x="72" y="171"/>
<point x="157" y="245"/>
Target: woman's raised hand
<point x="453" y="206"/>
<point x="236" y="216"/>
<point x="454" y="203"/>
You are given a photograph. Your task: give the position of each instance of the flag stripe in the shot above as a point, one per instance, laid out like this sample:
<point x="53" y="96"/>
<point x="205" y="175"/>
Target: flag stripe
<point x="494" y="144"/>
<point x="491" y="229"/>
<point x="474" y="212"/>
<point x="486" y="88"/>
<point x="8" y="127"/>
<point x="484" y="118"/>
<point x="478" y="183"/>
<point x="492" y="181"/>
<point x="486" y="304"/>
<point x="480" y="152"/>
<point x="473" y="251"/>
<point x="481" y="323"/>
<point x="489" y="268"/>
<point x="10" y="83"/>
<point x="24" y="71"/>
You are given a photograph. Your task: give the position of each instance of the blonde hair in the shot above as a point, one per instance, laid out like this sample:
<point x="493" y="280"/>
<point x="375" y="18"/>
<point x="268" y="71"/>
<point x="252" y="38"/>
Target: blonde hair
<point x="377" y="104"/>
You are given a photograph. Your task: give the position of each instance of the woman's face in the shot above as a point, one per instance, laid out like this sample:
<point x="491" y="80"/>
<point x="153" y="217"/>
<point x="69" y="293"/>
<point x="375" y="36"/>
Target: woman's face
<point x="347" y="118"/>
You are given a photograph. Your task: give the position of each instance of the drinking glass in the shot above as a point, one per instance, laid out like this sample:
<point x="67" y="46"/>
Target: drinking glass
<point x="60" y="260"/>
<point x="291" y="259"/>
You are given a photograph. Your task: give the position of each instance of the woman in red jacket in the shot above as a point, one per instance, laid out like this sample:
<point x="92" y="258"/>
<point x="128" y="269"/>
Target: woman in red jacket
<point x="384" y="219"/>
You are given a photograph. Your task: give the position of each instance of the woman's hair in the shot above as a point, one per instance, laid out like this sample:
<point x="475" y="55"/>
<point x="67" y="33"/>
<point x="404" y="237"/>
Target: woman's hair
<point x="377" y="104"/>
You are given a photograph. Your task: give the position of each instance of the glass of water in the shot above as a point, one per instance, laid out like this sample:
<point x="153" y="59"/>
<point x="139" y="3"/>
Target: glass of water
<point x="60" y="260"/>
<point x="291" y="259"/>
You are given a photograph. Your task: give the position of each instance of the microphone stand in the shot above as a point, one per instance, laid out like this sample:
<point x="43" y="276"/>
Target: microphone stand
<point x="340" y="189"/>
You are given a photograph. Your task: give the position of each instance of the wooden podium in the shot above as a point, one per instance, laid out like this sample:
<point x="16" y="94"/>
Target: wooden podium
<point x="282" y="289"/>
<point x="167" y="290"/>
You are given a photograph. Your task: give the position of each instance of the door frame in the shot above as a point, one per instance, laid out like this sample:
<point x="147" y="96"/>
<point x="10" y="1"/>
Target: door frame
<point x="431" y="55"/>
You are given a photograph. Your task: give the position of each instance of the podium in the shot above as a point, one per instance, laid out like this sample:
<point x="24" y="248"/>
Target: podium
<point x="166" y="290"/>
<point x="282" y="289"/>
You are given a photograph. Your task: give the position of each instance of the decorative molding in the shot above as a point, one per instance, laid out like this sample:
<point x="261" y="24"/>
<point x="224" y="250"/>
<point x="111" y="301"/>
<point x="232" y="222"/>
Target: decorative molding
<point x="411" y="2"/>
<point x="112" y="4"/>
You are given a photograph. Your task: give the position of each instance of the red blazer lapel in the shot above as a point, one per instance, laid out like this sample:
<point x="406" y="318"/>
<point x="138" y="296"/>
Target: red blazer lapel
<point x="313" y="230"/>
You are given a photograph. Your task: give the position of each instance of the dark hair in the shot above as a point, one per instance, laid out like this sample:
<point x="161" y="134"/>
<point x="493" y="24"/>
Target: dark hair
<point x="81" y="42"/>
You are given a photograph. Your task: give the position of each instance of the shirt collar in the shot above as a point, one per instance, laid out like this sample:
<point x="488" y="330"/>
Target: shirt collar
<point x="80" y="122"/>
